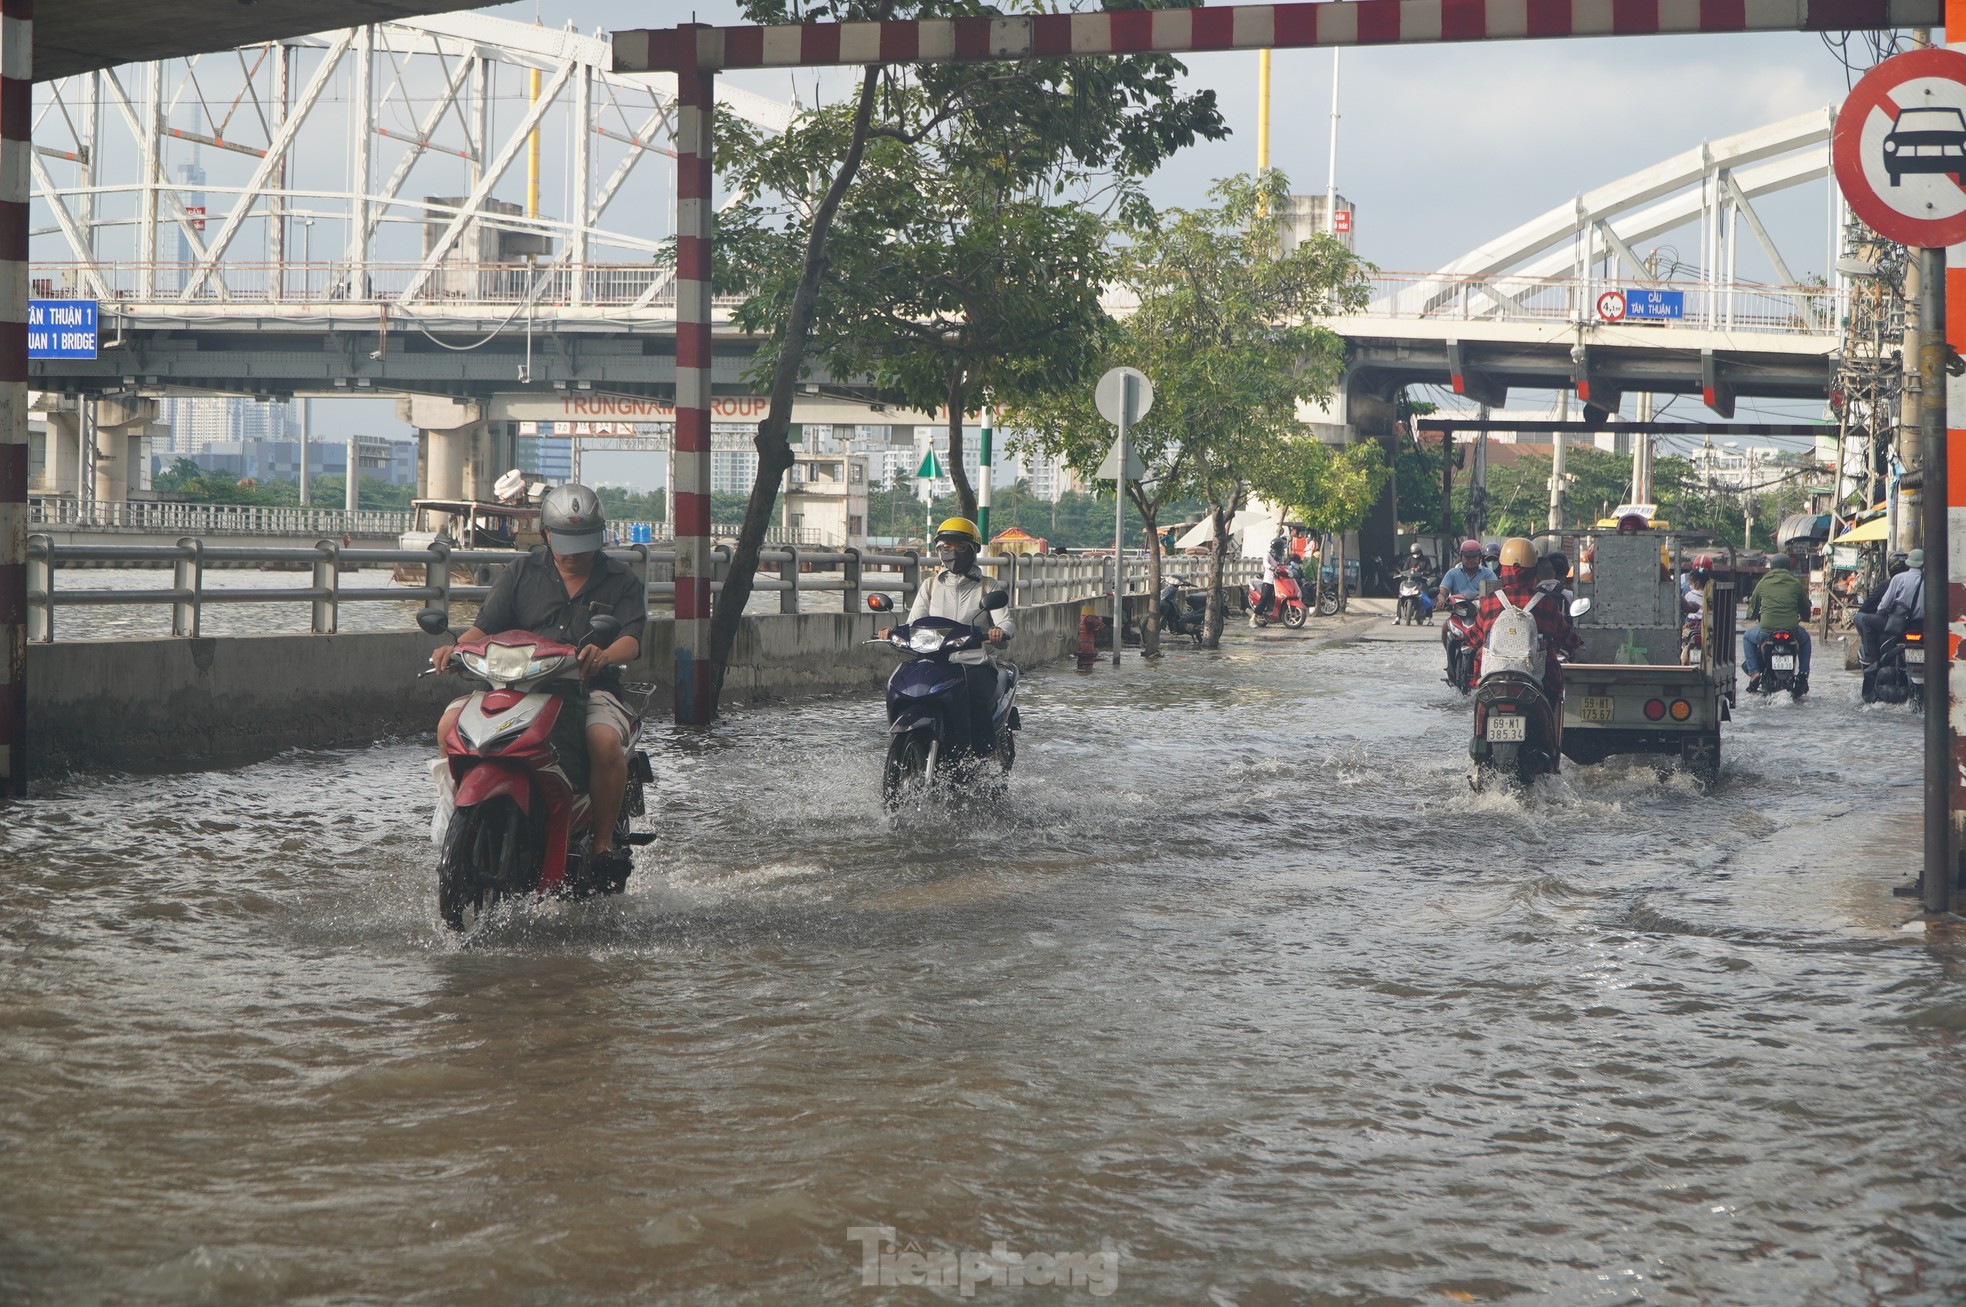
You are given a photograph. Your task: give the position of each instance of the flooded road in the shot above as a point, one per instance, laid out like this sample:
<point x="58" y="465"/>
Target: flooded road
<point x="1241" y="989"/>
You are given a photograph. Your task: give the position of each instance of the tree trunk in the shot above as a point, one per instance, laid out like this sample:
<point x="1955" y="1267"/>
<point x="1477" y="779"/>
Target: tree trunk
<point x="1218" y="560"/>
<point x="772" y="441"/>
<point x="1150" y="624"/>
<point x="958" y="399"/>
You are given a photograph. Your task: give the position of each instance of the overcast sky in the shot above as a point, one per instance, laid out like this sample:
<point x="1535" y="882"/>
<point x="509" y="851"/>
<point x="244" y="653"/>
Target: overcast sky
<point x="1440" y="148"/>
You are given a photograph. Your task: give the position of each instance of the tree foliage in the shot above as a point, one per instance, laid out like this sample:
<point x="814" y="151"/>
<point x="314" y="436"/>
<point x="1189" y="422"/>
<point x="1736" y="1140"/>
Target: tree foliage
<point x="930" y="235"/>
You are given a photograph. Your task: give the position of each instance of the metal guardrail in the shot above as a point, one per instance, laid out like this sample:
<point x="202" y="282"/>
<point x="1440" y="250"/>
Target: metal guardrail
<point x="215" y="519"/>
<point x="1030" y="579"/>
<point x="1727" y="306"/>
<point x="452" y="287"/>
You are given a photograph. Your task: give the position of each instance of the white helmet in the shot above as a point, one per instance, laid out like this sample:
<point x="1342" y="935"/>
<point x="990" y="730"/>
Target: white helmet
<point x="571" y="515"/>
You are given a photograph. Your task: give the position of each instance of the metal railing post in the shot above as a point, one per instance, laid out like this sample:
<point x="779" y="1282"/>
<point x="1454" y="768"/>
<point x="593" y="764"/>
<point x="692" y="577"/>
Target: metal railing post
<point x="41" y="581"/>
<point x="641" y="566"/>
<point x="788" y="572"/>
<point x="327" y="577"/>
<point x="188" y="578"/>
<point x="437" y="576"/>
<point x="1012" y="587"/>
<point x="911" y="576"/>
<point x="850" y="600"/>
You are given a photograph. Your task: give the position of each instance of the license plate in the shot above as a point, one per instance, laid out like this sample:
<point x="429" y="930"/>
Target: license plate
<point x="1782" y="662"/>
<point x="1596" y="708"/>
<point x="1916" y="657"/>
<point x="1507" y="728"/>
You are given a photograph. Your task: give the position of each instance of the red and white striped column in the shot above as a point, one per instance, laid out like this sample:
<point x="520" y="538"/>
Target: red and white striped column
<point x="16" y="109"/>
<point x="689" y="468"/>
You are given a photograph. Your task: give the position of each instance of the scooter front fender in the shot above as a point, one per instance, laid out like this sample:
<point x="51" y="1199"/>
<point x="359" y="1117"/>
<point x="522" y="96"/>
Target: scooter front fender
<point x="491" y="780"/>
<point x="917" y="720"/>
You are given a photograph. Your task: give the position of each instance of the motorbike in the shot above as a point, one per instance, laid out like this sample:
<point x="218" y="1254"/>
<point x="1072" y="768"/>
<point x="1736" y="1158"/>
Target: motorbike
<point x="1411" y="609"/>
<point x="1517" y="729"/>
<point x="1288" y="607"/>
<point x="516" y="776"/>
<point x="1898" y="675"/>
<point x="1182" y="610"/>
<point x="1461" y="613"/>
<point x="1781" y="657"/>
<point x="928" y="707"/>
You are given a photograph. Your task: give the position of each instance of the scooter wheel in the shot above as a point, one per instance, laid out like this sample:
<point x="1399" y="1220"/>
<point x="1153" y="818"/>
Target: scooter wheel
<point x="1295" y="615"/>
<point x="907" y="768"/>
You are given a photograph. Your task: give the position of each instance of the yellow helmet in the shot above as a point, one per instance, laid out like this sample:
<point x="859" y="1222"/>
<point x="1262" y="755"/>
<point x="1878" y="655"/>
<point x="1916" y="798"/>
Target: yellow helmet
<point x="961" y="527"/>
<point x="1517" y="552"/>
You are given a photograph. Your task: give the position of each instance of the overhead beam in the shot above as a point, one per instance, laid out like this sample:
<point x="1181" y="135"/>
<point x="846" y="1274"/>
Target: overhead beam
<point x="1469" y="381"/>
<point x="1237" y="27"/>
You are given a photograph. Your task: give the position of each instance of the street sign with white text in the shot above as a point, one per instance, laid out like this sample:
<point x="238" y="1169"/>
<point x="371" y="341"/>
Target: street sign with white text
<point x="1655" y="304"/>
<point x="61" y="329"/>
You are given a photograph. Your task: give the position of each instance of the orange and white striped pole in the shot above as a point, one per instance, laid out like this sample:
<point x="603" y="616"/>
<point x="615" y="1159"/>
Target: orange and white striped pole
<point x="696" y="102"/>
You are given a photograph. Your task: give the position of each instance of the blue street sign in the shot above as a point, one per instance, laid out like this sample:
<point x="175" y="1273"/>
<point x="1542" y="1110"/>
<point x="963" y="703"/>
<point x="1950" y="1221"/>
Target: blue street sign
<point x="61" y="329"/>
<point x="1655" y="304"/>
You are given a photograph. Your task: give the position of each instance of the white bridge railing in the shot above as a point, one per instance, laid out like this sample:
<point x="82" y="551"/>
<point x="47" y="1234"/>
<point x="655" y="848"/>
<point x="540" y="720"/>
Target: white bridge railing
<point x="216" y="519"/>
<point x="853" y="573"/>
<point x="1811" y="310"/>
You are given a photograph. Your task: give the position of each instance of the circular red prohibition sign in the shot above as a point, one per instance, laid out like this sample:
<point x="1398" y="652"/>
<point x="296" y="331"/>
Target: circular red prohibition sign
<point x="1866" y="179"/>
<point x="1611" y="305"/>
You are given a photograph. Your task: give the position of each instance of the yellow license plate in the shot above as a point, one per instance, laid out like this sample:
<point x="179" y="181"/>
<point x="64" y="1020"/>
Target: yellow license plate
<point x="1596" y="708"/>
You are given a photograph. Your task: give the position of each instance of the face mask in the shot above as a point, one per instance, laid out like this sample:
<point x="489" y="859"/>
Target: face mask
<point x="950" y="556"/>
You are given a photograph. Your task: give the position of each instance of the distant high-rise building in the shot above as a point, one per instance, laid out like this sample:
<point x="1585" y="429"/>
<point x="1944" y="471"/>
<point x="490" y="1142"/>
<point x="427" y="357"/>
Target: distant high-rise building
<point x="199" y="422"/>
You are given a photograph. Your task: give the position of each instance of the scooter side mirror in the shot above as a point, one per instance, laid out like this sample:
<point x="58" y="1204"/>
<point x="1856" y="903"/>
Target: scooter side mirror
<point x="994" y="600"/>
<point x="880" y="603"/>
<point x="1578" y="607"/>
<point x="603" y="629"/>
<point x="434" y="622"/>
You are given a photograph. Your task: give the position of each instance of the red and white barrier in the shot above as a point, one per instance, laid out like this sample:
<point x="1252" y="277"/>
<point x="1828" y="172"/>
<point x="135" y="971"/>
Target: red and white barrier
<point x="16" y="114"/>
<point x="1239" y="27"/>
<point x="690" y="468"/>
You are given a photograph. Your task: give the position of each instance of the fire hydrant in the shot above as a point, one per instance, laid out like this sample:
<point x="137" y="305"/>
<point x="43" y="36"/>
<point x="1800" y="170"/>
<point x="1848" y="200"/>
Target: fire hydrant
<point x="1089" y="627"/>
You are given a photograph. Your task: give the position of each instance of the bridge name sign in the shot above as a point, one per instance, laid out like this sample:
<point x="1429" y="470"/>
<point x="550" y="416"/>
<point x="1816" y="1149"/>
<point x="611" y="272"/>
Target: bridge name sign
<point x="1655" y="304"/>
<point x="61" y="329"/>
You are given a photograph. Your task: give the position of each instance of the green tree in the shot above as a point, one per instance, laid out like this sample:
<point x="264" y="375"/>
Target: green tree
<point x="1024" y="131"/>
<point x="1229" y="331"/>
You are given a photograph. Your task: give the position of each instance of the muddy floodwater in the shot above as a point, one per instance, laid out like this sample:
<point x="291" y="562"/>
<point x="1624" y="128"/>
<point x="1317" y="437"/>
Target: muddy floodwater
<point x="1240" y="997"/>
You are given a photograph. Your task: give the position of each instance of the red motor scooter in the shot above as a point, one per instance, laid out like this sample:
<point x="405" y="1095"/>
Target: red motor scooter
<point x="1459" y="639"/>
<point x="1288" y="607"/>
<point x="516" y="760"/>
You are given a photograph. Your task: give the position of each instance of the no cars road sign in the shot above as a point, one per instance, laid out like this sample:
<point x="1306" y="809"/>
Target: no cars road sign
<point x="1900" y="148"/>
<point x="1611" y="306"/>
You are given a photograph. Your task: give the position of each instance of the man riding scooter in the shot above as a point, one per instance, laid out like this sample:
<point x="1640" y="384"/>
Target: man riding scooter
<point x="956" y="592"/>
<point x="1463" y="582"/>
<point x="1780" y="602"/>
<point x="1519" y="592"/>
<point x="554" y="593"/>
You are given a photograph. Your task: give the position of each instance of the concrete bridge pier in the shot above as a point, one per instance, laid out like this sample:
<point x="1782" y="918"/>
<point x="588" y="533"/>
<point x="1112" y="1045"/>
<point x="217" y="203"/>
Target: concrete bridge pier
<point x="454" y="455"/>
<point x="120" y="425"/>
<point x="1372" y="414"/>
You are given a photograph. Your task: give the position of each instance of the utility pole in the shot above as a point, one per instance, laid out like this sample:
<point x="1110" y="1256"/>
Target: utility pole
<point x="1478" y="486"/>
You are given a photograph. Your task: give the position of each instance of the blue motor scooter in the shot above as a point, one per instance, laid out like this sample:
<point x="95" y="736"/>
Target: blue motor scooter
<point x="928" y="706"/>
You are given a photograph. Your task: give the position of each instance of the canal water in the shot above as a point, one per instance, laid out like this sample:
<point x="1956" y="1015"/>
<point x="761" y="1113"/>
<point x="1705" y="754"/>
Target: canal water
<point x="1240" y="997"/>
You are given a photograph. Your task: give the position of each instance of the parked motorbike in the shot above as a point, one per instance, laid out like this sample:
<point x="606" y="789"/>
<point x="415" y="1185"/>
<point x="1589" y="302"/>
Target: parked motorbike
<point x="516" y="763"/>
<point x="1411" y="608"/>
<point x="1461" y="613"/>
<point x="1288" y="607"/>
<point x="1898" y="675"/>
<point x="1517" y="729"/>
<point x="1781" y="658"/>
<point x="1183" y="611"/>
<point x="928" y="707"/>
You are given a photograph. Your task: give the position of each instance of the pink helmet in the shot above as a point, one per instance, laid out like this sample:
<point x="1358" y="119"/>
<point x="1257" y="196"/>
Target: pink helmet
<point x="1471" y="547"/>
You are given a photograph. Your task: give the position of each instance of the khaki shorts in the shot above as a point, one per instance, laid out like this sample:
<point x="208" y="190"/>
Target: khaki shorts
<point x="603" y="709"/>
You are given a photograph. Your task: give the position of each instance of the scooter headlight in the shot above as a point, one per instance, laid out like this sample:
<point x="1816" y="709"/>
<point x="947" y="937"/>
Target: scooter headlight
<point x="508" y="662"/>
<point x="473" y="663"/>
<point x="925" y="642"/>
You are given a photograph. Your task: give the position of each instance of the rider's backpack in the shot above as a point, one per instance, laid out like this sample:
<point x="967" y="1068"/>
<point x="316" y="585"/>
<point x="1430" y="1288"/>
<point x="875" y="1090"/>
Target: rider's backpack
<point x="1514" y="643"/>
